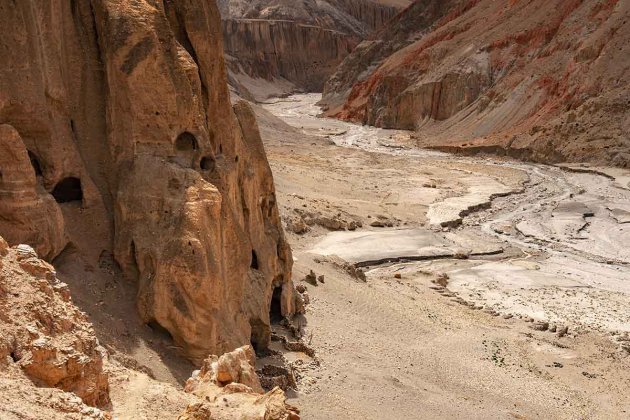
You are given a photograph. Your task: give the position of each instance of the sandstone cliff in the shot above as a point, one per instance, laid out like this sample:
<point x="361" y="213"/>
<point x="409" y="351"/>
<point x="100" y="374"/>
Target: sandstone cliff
<point x="538" y="80"/>
<point x="117" y="133"/>
<point x="278" y="46"/>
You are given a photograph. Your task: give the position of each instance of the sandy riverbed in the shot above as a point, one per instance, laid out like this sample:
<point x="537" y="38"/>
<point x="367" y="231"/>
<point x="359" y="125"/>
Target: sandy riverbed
<point x="516" y="239"/>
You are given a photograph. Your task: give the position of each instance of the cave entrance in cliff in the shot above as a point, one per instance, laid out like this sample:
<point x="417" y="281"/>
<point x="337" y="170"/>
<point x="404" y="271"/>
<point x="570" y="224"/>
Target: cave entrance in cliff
<point x="275" y="306"/>
<point x="68" y="190"/>
<point x="259" y="335"/>
<point x="186" y="142"/>
<point x="185" y="147"/>
<point x="35" y="163"/>
<point x="162" y="333"/>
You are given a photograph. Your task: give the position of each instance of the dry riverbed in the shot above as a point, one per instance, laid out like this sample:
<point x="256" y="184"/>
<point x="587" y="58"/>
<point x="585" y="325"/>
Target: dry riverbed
<point x="474" y="268"/>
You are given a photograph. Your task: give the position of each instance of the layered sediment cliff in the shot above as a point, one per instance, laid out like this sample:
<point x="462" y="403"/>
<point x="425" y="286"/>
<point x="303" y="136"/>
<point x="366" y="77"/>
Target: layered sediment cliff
<point x="278" y="46"/>
<point x="509" y="78"/>
<point x="304" y="54"/>
<point x="117" y="133"/>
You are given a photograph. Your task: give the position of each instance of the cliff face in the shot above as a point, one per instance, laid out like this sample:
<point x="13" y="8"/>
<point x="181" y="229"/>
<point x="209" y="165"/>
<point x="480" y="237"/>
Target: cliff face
<point x="278" y="46"/>
<point x="303" y="54"/>
<point x="116" y="133"/>
<point x="539" y="80"/>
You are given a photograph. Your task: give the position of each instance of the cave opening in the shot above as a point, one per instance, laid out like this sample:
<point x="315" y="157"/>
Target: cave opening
<point x="207" y="163"/>
<point x="275" y="306"/>
<point x="160" y="331"/>
<point x="35" y="163"/>
<point x="254" y="262"/>
<point x="186" y="142"/>
<point x="68" y="190"/>
<point x="185" y="148"/>
<point x="258" y="333"/>
<point x="14" y="357"/>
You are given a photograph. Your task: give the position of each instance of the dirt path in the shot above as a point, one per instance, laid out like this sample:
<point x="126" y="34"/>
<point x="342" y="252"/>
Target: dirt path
<point x="524" y="242"/>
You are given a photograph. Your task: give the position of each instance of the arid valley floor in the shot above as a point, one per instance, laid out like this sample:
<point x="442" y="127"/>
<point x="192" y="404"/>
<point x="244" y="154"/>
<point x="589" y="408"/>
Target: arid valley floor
<point x="473" y="267"/>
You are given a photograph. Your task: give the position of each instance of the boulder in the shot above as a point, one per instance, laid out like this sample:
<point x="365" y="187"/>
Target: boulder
<point x="228" y="387"/>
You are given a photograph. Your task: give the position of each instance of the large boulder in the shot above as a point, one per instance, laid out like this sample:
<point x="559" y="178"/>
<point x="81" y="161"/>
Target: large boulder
<point x="229" y="388"/>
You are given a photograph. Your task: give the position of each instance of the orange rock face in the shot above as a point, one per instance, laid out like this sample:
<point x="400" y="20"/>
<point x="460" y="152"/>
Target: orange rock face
<point x="539" y="80"/>
<point x="115" y="121"/>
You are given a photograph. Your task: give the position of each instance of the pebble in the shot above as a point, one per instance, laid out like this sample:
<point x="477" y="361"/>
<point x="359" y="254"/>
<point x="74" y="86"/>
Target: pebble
<point x="562" y="331"/>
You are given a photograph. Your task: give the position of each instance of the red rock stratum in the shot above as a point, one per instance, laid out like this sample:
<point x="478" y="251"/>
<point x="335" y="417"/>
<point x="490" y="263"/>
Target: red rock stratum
<point x="541" y="80"/>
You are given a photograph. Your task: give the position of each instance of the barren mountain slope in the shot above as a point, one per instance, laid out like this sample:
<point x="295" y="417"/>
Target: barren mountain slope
<point x="542" y="80"/>
<point x="277" y="46"/>
<point x="119" y="148"/>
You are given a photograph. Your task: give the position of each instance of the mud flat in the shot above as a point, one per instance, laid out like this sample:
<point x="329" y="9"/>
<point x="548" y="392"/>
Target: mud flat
<point x="474" y="267"/>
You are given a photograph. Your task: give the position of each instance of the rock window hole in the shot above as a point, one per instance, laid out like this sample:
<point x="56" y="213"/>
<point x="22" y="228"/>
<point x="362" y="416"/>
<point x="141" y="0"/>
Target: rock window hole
<point x="15" y="357"/>
<point x="207" y="163"/>
<point x="67" y="190"/>
<point x="275" y="306"/>
<point x="35" y="163"/>
<point x="254" y="262"/>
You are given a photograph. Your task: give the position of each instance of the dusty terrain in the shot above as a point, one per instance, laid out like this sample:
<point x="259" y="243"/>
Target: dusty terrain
<point x="467" y="294"/>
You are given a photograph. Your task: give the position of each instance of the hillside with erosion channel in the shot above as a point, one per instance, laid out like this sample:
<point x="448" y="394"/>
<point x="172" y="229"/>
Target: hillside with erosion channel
<point x="314" y="209"/>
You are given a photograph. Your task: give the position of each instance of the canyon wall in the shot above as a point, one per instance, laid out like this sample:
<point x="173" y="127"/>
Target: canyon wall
<point x="117" y="135"/>
<point x="539" y="80"/>
<point x="303" y="54"/>
<point x="278" y="46"/>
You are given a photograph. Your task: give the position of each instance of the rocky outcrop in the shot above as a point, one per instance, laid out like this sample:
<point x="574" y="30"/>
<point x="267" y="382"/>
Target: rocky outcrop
<point x="116" y="128"/>
<point x="29" y="213"/>
<point x="42" y="334"/>
<point x="513" y="79"/>
<point x="279" y="46"/>
<point x="229" y="388"/>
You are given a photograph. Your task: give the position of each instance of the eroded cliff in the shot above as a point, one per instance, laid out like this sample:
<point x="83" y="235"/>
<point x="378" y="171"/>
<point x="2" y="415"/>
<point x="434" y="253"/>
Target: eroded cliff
<point x="538" y="80"/>
<point x="117" y="135"/>
<point x="279" y="46"/>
